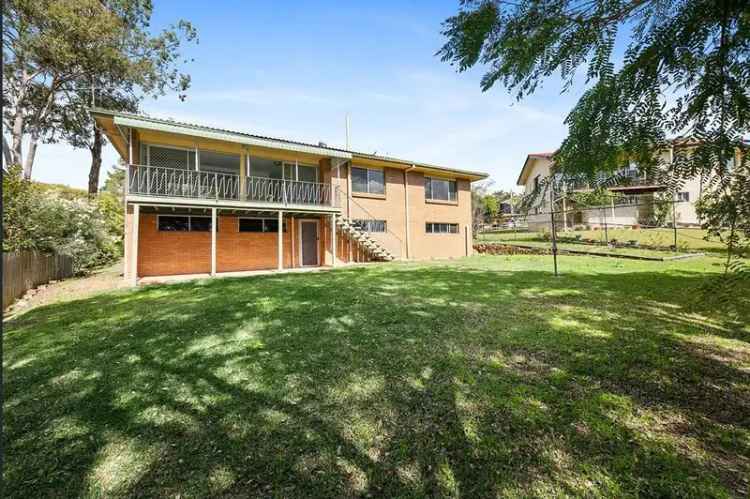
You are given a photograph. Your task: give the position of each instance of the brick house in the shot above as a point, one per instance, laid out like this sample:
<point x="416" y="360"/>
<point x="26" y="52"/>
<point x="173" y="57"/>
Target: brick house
<point x="203" y="200"/>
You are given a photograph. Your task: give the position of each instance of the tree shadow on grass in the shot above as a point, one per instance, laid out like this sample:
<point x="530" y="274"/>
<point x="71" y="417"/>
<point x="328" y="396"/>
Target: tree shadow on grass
<point x="387" y="381"/>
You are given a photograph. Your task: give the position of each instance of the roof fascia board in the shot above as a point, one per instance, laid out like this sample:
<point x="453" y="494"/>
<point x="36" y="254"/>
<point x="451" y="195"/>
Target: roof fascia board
<point x="206" y="134"/>
<point x="422" y="167"/>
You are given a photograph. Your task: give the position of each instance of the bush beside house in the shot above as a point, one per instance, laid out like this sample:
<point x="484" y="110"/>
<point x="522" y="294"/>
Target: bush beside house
<point x="63" y="220"/>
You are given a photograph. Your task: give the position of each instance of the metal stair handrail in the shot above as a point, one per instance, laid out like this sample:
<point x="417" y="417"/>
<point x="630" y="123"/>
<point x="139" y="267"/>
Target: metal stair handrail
<point x="396" y="243"/>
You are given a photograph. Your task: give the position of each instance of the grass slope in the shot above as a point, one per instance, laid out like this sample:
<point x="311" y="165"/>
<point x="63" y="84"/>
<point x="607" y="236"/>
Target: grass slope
<point x="484" y="377"/>
<point x="688" y="240"/>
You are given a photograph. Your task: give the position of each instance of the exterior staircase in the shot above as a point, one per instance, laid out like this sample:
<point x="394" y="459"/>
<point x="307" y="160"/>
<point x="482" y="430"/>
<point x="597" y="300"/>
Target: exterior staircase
<point x="373" y="248"/>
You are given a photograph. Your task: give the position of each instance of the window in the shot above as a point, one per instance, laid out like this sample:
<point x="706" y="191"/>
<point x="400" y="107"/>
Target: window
<point x="306" y="173"/>
<point x="170" y="157"/>
<point x="437" y="189"/>
<point x="260" y="225"/>
<point x="210" y="161"/>
<point x="440" y="228"/>
<point x="183" y="223"/>
<point x="369" y="181"/>
<point x="536" y="182"/>
<point x="200" y="224"/>
<point x="174" y="224"/>
<point x="683" y="197"/>
<point x="370" y="225"/>
<point x="269" y="168"/>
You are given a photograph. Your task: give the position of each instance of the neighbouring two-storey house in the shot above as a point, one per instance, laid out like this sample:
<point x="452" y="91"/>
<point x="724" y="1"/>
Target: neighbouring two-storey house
<point x="634" y="200"/>
<point x="202" y="200"/>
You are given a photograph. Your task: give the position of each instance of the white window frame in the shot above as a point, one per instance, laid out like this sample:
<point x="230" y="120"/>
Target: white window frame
<point x="367" y="224"/>
<point x="296" y="164"/>
<point x="190" y="222"/>
<point x="264" y="231"/>
<point x="198" y="157"/>
<point x="148" y="145"/>
<point x="368" y="169"/>
<point x="447" y="224"/>
<point x="444" y="179"/>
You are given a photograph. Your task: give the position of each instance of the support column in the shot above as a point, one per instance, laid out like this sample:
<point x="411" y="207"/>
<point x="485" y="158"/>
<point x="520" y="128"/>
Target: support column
<point x="333" y="237"/>
<point x="565" y="214"/>
<point x="213" y="241"/>
<point x="244" y="161"/>
<point x="291" y="239"/>
<point x="134" y="249"/>
<point x="406" y="211"/>
<point x="349" y="205"/>
<point x="280" y="243"/>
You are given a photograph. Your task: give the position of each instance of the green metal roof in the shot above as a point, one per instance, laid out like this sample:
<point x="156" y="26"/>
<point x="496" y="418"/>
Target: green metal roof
<point x="166" y="125"/>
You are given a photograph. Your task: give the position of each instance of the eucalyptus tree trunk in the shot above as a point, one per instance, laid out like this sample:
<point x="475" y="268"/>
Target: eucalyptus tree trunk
<point x="7" y="157"/>
<point x="29" y="160"/>
<point x="96" y="162"/>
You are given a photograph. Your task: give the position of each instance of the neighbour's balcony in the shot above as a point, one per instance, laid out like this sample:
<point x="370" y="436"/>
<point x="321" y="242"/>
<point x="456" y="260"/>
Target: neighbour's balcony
<point x="622" y="180"/>
<point x="162" y="182"/>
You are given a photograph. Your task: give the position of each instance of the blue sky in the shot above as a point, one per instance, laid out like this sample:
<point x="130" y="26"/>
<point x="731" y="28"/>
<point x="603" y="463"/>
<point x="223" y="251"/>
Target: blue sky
<point x="295" y="69"/>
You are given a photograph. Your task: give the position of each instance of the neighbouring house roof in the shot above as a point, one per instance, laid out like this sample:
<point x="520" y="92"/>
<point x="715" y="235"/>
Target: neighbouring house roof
<point x="526" y="165"/>
<point x="682" y="141"/>
<point x="122" y="119"/>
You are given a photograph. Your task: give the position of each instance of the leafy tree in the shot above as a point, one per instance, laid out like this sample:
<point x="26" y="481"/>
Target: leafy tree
<point x="479" y="194"/>
<point x="55" y="50"/>
<point x="53" y="218"/>
<point x="111" y="205"/>
<point x="18" y="202"/>
<point x="685" y="71"/>
<point x="491" y="206"/>
<point x="594" y="198"/>
<point x="115" y="182"/>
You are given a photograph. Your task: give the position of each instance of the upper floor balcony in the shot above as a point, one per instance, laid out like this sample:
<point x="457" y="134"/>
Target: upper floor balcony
<point x="158" y="183"/>
<point x="624" y="180"/>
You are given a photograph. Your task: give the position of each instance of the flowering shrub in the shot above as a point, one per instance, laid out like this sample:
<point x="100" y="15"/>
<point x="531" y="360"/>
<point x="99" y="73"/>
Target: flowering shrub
<point x="51" y="221"/>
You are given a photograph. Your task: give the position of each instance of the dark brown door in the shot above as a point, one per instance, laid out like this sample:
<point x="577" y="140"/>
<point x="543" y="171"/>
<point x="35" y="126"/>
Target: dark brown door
<point x="309" y="234"/>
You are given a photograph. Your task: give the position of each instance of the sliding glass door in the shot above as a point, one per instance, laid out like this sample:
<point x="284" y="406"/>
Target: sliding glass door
<point x="282" y="170"/>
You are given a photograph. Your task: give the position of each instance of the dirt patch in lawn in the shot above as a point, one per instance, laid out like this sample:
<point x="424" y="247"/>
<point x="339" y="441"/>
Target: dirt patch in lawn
<point x="75" y="288"/>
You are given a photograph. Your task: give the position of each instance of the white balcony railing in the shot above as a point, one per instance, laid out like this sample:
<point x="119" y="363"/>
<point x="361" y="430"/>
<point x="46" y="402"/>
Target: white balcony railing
<point x="160" y="181"/>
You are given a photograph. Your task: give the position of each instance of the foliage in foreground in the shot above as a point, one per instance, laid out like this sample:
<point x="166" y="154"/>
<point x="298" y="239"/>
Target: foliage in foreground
<point x="480" y="378"/>
<point x="62" y="220"/>
<point x="685" y="72"/>
<point x="56" y="51"/>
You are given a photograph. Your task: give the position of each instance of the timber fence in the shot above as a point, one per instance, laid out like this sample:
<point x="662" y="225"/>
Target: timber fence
<point x="23" y="270"/>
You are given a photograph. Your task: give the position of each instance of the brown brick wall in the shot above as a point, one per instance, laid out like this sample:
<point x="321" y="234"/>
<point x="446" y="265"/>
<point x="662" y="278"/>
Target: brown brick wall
<point x="236" y="251"/>
<point x="426" y="245"/>
<point x="171" y="253"/>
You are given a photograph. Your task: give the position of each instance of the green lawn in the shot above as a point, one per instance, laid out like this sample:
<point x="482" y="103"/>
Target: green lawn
<point x="688" y="240"/>
<point x="591" y="248"/>
<point x="475" y="378"/>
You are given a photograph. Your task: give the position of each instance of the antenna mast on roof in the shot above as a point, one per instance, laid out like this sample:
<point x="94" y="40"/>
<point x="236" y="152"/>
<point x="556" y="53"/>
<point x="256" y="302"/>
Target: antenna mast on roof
<point x="347" y="131"/>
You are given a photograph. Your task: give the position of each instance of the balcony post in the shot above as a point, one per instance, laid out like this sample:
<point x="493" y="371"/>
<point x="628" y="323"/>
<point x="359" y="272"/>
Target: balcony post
<point x="213" y="241"/>
<point x="333" y="238"/>
<point x="134" y="250"/>
<point x="280" y="241"/>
